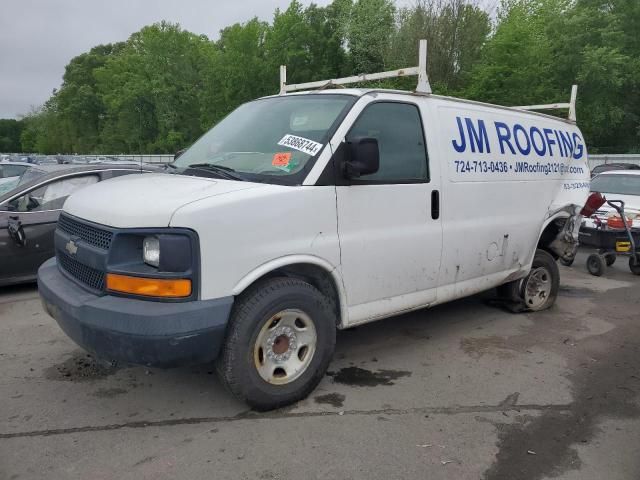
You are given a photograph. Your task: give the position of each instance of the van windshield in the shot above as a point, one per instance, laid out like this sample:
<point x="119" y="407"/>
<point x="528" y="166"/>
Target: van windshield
<point x="620" y="184"/>
<point x="270" y="140"/>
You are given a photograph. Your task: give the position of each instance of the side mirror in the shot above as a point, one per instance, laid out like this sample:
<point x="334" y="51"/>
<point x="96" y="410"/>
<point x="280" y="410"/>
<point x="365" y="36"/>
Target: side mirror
<point x="178" y="153"/>
<point x="364" y="157"/>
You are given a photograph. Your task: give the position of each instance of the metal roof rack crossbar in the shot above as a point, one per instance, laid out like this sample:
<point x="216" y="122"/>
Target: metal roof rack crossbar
<point x="421" y="71"/>
<point x="557" y="106"/>
<point x="422" y="87"/>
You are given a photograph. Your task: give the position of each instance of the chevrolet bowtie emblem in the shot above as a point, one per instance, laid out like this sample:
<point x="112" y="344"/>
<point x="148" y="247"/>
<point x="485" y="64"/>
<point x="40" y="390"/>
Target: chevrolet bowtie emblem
<point x="71" y="247"/>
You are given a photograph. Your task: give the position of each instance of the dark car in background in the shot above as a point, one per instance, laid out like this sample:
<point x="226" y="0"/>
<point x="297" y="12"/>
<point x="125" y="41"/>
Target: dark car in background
<point x="10" y="174"/>
<point x="607" y="167"/>
<point x="29" y="213"/>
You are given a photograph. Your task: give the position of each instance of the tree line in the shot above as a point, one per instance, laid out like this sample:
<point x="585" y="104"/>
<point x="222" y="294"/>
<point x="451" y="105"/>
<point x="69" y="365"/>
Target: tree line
<point x="163" y="87"/>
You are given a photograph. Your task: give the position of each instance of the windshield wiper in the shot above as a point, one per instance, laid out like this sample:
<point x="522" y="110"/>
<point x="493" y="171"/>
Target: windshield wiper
<point x="224" y="172"/>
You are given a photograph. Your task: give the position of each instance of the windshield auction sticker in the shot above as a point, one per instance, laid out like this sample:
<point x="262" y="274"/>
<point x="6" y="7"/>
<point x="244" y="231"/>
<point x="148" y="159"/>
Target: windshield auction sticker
<point x="301" y="144"/>
<point x="281" y="159"/>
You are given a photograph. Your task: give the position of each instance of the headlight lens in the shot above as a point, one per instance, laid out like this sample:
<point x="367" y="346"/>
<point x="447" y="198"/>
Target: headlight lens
<point x="151" y="251"/>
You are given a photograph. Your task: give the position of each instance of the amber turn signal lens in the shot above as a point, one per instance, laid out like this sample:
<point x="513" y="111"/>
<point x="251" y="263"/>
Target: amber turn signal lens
<point x="149" y="287"/>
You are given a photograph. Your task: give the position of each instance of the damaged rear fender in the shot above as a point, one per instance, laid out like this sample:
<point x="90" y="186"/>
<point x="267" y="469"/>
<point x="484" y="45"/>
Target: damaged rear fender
<point x="559" y="234"/>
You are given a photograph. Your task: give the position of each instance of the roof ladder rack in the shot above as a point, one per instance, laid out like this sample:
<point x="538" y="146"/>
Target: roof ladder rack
<point x="421" y="71"/>
<point x="557" y="106"/>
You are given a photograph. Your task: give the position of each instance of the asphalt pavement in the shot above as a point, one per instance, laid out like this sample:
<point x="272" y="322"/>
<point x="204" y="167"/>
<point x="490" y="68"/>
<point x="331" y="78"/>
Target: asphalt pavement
<point x="465" y="390"/>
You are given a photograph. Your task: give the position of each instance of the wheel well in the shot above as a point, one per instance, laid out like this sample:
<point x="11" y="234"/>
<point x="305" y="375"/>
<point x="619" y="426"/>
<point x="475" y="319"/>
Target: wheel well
<point x="314" y="275"/>
<point x="549" y="234"/>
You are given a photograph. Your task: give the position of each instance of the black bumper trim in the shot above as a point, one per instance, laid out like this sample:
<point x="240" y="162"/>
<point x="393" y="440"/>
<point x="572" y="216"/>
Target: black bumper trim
<point x="135" y="331"/>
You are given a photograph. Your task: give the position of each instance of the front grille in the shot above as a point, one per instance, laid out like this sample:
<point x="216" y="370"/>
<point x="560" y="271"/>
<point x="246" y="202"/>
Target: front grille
<point x="87" y="275"/>
<point x="90" y="234"/>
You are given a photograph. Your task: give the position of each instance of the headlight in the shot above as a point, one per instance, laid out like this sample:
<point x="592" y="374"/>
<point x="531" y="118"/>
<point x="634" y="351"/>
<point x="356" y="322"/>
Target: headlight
<point x="151" y="251"/>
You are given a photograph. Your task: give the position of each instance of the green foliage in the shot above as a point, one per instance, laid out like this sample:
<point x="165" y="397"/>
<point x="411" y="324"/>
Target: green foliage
<point x="236" y="72"/>
<point x="164" y="86"/>
<point x="598" y="46"/>
<point x="370" y="25"/>
<point x="10" y="131"/>
<point x="455" y="32"/>
<point x="152" y="89"/>
<point x="43" y="131"/>
<point x="516" y="63"/>
<point x="541" y="47"/>
<point x="80" y="108"/>
<point x="307" y="41"/>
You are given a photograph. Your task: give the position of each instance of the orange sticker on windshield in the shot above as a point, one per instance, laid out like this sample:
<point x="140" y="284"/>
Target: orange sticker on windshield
<point x="281" y="159"/>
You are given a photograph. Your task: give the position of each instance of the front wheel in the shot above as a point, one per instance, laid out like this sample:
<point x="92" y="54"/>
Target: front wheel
<point x="279" y="343"/>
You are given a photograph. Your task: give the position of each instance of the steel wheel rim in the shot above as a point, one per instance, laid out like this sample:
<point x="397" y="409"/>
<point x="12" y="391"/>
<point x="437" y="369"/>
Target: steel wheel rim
<point x="537" y="287"/>
<point x="285" y="346"/>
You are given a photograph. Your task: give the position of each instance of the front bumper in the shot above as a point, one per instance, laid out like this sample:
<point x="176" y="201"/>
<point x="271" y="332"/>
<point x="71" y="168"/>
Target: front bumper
<point x="142" y="332"/>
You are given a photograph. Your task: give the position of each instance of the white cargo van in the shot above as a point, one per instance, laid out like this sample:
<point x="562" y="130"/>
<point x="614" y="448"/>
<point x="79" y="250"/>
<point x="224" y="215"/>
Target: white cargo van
<point x="304" y="213"/>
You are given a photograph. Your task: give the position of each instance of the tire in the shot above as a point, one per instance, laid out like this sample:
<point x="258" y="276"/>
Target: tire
<point x="545" y="275"/>
<point x="610" y="259"/>
<point x="264" y="339"/>
<point x="510" y="291"/>
<point x="596" y="264"/>
<point x="567" y="263"/>
<point x="634" y="264"/>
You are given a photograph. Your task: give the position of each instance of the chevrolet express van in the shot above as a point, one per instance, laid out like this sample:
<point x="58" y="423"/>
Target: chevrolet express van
<point x="303" y="213"/>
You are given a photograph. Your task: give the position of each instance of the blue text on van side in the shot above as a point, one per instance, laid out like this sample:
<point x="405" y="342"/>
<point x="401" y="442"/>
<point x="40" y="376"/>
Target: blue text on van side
<point x="516" y="139"/>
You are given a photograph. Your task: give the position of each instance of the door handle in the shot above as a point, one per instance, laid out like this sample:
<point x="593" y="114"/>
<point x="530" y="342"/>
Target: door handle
<point x="16" y="232"/>
<point x="435" y="204"/>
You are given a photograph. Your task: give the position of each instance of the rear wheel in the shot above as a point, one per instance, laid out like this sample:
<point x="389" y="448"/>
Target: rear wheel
<point x="634" y="264"/>
<point x="596" y="264"/>
<point x="539" y="289"/>
<point x="279" y="343"/>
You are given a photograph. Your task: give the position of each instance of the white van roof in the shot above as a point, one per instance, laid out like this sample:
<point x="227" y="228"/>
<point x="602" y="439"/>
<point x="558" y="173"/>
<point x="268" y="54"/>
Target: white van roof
<point x="359" y="92"/>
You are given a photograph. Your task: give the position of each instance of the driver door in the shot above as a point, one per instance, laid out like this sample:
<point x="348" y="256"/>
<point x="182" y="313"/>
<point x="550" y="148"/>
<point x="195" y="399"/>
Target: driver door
<point x="388" y="222"/>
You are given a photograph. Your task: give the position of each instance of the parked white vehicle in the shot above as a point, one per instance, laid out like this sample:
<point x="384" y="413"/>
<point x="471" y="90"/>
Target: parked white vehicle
<point x="304" y="213"/>
<point x="621" y="185"/>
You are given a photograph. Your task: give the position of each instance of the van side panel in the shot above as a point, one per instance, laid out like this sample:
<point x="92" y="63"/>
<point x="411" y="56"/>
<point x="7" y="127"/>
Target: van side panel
<point x="504" y="172"/>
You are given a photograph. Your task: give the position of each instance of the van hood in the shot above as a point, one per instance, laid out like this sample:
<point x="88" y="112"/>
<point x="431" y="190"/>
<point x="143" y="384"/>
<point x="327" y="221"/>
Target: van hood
<point x="145" y="200"/>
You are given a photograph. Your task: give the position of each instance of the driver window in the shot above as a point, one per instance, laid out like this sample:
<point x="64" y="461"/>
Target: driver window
<point x="52" y="195"/>
<point x="398" y="129"/>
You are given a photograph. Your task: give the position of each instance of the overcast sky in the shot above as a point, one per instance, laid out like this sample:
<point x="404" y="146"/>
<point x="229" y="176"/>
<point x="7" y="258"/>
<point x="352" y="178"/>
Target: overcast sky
<point x="39" y="37"/>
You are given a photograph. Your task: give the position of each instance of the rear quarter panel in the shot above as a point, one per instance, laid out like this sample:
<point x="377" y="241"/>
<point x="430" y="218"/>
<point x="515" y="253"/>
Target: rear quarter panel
<point x="504" y="173"/>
